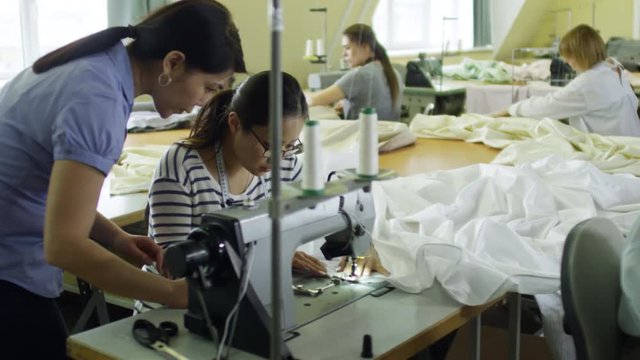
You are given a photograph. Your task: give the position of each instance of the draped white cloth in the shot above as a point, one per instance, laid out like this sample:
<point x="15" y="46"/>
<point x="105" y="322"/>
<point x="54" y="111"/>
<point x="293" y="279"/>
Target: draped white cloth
<point x="485" y="229"/>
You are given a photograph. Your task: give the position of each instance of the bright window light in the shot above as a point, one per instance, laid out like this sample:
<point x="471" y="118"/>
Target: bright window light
<point x="32" y="28"/>
<point x="418" y="25"/>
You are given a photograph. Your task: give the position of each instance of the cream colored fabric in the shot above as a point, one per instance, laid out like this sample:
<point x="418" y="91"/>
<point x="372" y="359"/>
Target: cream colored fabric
<point x="524" y="140"/>
<point x="135" y="168"/>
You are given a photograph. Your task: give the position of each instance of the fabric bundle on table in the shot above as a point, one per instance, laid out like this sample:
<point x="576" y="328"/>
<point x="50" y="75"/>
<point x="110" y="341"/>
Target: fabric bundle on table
<point x="498" y="72"/>
<point x="524" y="140"/>
<point x="135" y="168"/>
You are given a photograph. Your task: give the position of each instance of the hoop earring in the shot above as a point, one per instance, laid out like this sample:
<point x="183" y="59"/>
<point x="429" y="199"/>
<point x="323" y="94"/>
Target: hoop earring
<point x="164" y="79"/>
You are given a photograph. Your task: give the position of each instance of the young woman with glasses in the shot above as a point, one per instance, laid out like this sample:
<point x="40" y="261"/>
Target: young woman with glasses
<point x="225" y="160"/>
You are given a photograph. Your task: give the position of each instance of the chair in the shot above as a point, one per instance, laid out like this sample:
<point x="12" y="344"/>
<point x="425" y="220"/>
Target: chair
<point x="590" y="285"/>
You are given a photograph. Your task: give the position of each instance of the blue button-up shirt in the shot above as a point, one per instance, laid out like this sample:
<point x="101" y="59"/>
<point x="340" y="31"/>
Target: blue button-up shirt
<point x="77" y="111"/>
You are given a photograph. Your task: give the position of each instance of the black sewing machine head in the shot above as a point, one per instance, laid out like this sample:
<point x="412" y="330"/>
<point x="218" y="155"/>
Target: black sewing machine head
<point x="421" y="72"/>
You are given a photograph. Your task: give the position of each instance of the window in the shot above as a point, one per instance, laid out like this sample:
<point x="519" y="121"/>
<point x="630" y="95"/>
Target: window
<point x="425" y="25"/>
<point x="32" y="28"/>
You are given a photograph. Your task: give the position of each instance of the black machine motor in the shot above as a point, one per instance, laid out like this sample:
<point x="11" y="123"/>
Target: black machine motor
<point x="421" y="72"/>
<point x="561" y="72"/>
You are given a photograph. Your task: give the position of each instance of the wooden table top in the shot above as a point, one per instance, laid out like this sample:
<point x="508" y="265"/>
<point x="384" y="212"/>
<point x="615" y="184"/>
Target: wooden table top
<point x="423" y="156"/>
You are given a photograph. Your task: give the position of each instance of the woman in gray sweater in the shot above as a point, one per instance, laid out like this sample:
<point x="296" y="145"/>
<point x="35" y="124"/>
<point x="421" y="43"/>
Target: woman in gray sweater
<point x="371" y="82"/>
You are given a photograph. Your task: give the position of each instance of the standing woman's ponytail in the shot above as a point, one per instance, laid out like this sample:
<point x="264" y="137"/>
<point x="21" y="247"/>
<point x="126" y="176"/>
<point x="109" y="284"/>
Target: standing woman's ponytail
<point x="88" y="45"/>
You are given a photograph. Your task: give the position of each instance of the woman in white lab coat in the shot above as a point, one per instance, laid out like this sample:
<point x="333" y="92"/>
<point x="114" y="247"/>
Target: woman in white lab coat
<point x="599" y="100"/>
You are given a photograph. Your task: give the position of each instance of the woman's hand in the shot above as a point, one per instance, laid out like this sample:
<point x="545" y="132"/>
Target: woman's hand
<point x="338" y="107"/>
<point x="365" y="265"/>
<point x="138" y="250"/>
<point x="308" y="264"/>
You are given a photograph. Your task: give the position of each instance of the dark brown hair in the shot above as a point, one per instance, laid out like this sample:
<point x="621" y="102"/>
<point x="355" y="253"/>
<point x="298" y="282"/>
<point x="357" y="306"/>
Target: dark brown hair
<point x="201" y="29"/>
<point x="362" y="34"/>
<point x="251" y="103"/>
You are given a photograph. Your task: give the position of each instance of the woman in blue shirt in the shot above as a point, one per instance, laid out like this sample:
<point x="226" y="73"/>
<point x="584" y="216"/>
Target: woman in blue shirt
<point x="62" y="127"/>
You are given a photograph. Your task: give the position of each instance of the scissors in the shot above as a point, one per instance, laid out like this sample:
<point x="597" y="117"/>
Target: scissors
<point x="157" y="337"/>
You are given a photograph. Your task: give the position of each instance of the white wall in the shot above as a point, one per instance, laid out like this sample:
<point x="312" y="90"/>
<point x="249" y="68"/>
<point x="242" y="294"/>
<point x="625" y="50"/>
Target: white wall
<point x="636" y="19"/>
<point x="503" y="15"/>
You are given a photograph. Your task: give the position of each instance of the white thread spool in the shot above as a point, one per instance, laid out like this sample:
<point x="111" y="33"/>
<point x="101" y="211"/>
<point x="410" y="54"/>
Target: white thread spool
<point x="344" y="64"/>
<point x="308" y="48"/>
<point x="319" y="47"/>
<point x="312" y="177"/>
<point x="368" y="160"/>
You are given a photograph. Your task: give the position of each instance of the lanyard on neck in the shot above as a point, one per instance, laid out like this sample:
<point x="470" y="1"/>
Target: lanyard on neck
<point x="222" y="178"/>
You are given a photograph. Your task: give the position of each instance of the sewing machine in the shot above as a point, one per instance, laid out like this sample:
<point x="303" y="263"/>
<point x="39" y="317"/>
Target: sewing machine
<point x="236" y="241"/>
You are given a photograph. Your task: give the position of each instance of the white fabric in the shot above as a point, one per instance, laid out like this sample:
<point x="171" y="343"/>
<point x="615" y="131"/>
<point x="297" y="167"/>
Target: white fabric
<point x="560" y="343"/>
<point x="322" y="113"/>
<point x="139" y="120"/>
<point x="340" y="141"/>
<point x="497" y="71"/>
<point x="133" y="172"/>
<point x="524" y="140"/>
<point x="491" y="98"/>
<point x="485" y="229"/>
<point x="598" y="100"/>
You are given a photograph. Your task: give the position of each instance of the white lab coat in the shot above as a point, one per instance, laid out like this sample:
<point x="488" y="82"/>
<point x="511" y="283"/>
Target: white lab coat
<point x="599" y="100"/>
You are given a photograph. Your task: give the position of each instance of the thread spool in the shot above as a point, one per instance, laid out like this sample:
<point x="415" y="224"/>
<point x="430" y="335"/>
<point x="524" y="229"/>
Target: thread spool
<point x="319" y="47"/>
<point x="312" y="177"/>
<point x="368" y="159"/>
<point x="308" y="48"/>
<point x="344" y="64"/>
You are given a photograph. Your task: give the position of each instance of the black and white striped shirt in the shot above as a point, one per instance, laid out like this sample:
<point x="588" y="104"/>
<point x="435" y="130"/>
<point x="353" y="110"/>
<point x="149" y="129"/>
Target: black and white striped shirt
<point x="183" y="190"/>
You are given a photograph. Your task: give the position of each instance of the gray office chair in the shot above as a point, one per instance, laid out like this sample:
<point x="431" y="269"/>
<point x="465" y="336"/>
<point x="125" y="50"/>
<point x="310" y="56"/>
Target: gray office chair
<point x="590" y="285"/>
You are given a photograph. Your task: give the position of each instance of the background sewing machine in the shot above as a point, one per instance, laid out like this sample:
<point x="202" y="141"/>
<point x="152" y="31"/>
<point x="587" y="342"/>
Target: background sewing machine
<point x="236" y="242"/>
<point x="424" y="92"/>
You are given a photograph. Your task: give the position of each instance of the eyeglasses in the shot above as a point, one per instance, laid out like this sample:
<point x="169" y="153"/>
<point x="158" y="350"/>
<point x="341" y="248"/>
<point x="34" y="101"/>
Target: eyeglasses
<point x="288" y="150"/>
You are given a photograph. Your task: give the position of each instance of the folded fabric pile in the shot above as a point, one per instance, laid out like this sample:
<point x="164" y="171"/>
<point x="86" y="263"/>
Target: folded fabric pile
<point x="498" y="72"/>
<point x="147" y="121"/>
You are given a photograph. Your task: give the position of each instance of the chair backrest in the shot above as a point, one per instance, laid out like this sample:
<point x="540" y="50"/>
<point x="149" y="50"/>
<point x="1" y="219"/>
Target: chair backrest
<point x="590" y="285"/>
